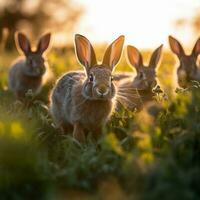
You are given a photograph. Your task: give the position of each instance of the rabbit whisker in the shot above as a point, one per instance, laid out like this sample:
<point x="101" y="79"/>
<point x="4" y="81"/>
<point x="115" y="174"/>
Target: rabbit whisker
<point x="129" y="88"/>
<point x="124" y="99"/>
<point x="129" y="95"/>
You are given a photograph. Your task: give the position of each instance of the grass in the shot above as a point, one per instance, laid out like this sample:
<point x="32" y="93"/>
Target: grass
<point x="146" y="155"/>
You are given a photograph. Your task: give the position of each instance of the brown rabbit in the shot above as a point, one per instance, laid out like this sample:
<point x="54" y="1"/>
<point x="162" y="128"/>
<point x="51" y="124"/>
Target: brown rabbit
<point x="143" y="82"/>
<point x="86" y="101"/>
<point x="27" y="73"/>
<point x="188" y="69"/>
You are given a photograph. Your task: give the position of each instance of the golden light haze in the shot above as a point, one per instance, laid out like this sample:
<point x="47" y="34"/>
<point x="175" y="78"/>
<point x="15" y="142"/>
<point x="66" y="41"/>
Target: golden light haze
<point x="145" y="23"/>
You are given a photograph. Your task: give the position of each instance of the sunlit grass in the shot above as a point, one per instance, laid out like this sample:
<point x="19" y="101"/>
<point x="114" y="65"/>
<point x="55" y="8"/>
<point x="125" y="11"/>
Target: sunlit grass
<point x="137" y="154"/>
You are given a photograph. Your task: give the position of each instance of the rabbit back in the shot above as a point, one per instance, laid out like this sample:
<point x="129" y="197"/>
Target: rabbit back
<point x="60" y="93"/>
<point x="13" y="80"/>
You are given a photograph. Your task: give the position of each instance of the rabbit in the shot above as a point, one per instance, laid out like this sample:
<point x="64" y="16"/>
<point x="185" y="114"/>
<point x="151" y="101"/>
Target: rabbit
<point x="86" y="101"/>
<point x="138" y="90"/>
<point x="27" y="73"/>
<point x="188" y="69"/>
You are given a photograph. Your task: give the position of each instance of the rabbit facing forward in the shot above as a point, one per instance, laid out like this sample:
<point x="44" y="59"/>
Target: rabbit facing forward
<point x="85" y="101"/>
<point x="27" y="73"/>
<point x="138" y="90"/>
<point x="188" y="69"/>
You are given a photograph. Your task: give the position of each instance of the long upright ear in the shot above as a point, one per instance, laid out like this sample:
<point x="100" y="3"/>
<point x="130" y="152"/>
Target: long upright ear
<point x="113" y="52"/>
<point x="176" y="47"/>
<point x="134" y="57"/>
<point x="23" y="43"/>
<point x="85" y="52"/>
<point x="155" y="57"/>
<point x="43" y="43"/>
<point x="196" y="49"/>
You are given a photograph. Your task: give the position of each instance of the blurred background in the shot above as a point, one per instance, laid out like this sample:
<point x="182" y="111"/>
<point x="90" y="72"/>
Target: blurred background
<point x="145" y="23"/>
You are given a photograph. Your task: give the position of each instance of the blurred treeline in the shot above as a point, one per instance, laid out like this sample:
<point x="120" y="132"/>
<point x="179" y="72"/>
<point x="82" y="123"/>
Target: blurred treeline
<point x="36" y="17"/>
<point x="190" y="22"/>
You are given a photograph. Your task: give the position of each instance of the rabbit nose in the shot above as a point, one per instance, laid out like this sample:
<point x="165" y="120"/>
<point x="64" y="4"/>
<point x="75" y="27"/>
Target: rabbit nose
<point x="182" y="74"/>
<point x="102" y="90"/>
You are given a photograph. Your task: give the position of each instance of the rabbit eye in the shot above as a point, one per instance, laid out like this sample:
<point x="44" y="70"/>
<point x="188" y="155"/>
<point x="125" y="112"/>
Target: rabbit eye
<point x="91" y="78"/>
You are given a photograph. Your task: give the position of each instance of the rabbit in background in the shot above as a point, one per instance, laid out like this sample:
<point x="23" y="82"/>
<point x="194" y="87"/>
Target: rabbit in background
<point x="188" y="69"/>
<point x="86" y="101"/>
<point x="138" y="90"/>
<point x="28" y="72"/>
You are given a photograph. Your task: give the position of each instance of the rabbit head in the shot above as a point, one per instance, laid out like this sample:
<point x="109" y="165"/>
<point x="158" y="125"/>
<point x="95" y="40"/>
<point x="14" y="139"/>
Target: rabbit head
<point x="98" y="84"/>
<point x="188" y="63"/>
<point x="35" y="62"/>
<point x="145" y="75"/>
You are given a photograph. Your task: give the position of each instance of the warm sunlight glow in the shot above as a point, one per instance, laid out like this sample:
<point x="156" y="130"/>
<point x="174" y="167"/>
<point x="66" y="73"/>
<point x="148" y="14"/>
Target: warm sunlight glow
<point x="145" y="23"/>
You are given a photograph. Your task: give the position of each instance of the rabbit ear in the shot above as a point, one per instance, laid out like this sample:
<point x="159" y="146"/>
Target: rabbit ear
<point x="155" y="57"/>
<point x="176" y="47"/>
<point x="43" y="43"/>
<point x="85" y="52"/>
<point x="23" y="43"/>
<point x="134" y="57"/>
<point x="113" y="52"/>
<point x="196" y="49"/>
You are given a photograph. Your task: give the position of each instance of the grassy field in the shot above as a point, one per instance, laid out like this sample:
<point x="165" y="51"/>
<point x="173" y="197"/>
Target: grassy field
<point x="149" y="155"/>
